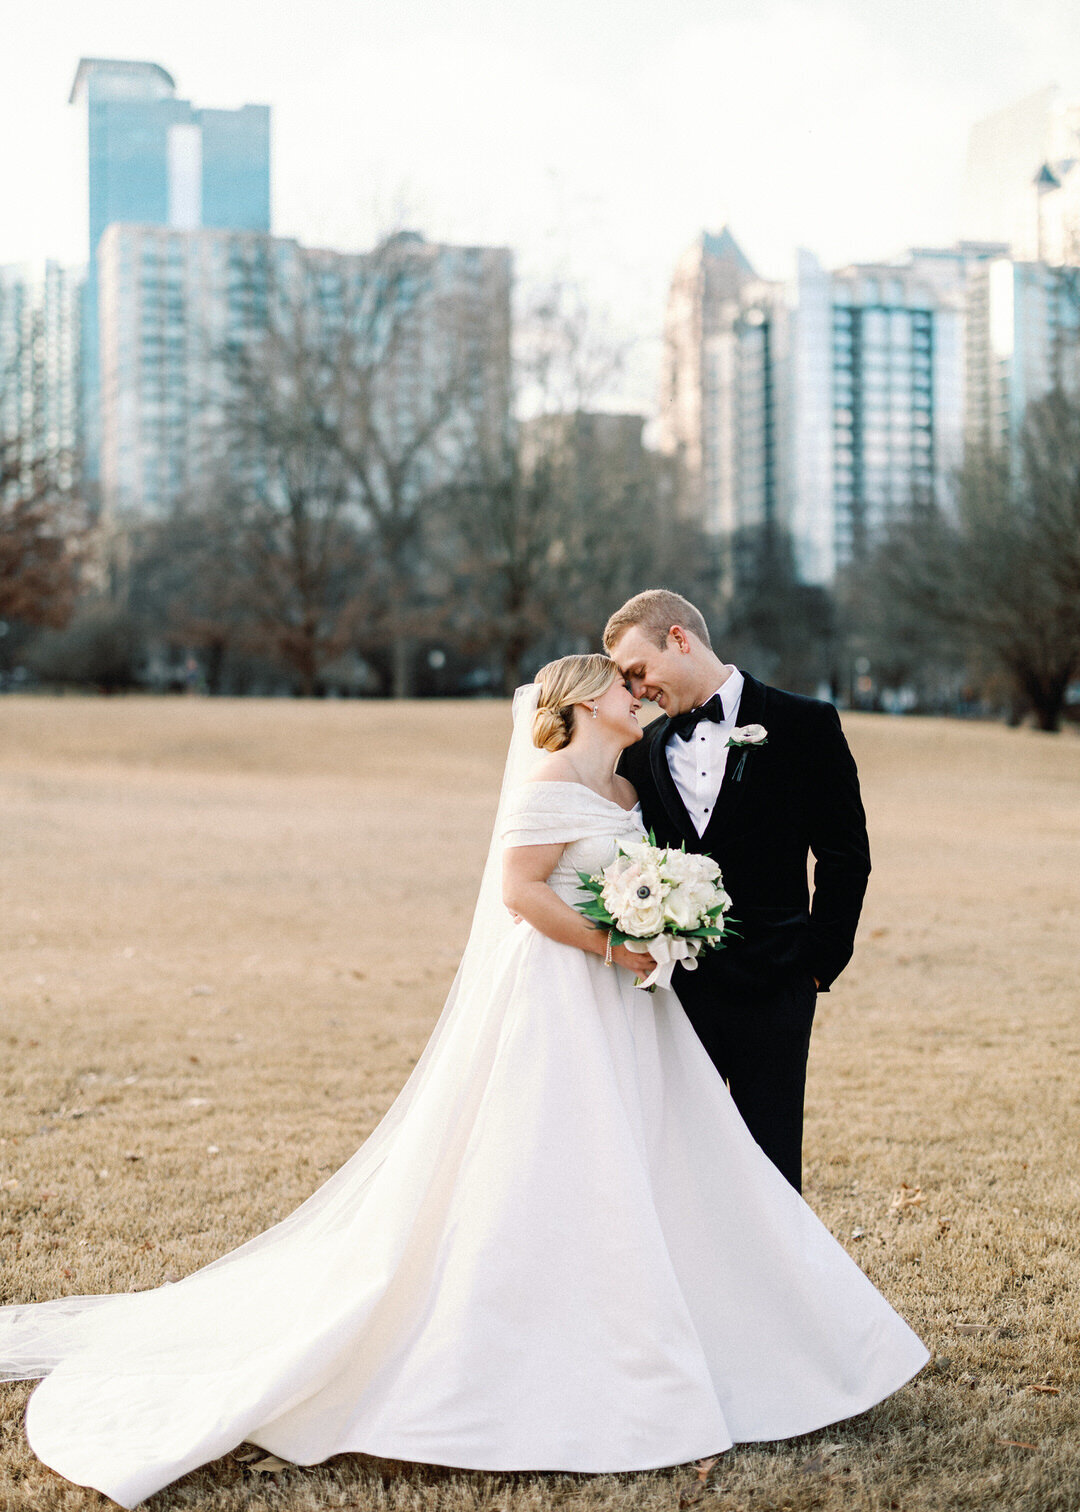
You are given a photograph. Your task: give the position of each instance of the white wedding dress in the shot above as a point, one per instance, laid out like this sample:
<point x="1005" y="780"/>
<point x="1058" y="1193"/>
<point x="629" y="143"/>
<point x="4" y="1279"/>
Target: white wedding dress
<point x="560" y="1250"/>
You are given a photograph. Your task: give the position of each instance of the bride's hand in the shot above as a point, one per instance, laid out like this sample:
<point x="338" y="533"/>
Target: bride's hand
<point x="640" y="965"/>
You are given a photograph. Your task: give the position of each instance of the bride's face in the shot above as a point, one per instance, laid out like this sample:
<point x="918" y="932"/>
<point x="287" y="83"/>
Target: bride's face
<point x="616" y="713"/>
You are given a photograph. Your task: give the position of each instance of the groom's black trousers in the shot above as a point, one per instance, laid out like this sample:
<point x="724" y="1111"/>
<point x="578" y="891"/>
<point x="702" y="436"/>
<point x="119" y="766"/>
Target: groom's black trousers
<point x="759" y="1045"/>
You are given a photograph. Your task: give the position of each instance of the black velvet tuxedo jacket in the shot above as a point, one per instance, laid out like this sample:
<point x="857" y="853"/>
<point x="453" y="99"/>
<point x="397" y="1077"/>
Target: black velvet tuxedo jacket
<point x="798" y="793"/>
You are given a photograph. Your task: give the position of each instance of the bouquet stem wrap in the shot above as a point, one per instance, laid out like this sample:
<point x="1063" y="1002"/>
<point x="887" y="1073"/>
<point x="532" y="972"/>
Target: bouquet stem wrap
<point x="667" y="951"/>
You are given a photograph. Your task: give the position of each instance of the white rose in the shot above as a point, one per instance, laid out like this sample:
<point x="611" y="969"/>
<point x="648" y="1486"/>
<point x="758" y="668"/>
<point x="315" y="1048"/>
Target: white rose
<point x="679" y="866"/>
<point x="646" y="922"/>
<point x="683" y="906"/>
<point x="616" y="869"/>
<point x="751" y="734"/>
<point x="642" y="852"/>
<point x="707" y="869"/>
<point x="692" y="867"/>
<point x="700" y="898"/>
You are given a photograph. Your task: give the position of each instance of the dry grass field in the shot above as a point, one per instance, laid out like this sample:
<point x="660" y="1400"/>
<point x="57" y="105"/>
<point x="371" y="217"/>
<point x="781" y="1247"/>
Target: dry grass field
<point x="208" y="1001"/>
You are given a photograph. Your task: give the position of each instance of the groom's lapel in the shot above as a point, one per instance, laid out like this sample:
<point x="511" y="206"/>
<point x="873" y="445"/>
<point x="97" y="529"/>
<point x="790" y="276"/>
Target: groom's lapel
<point x="665" y="783"/>
<point x="732" y="794"/>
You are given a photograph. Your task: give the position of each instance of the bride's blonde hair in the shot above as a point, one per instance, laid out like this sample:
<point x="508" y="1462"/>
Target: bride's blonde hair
<point x="570" y="680"/>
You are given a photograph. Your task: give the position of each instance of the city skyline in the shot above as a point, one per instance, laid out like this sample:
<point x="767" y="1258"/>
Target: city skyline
<point x="597" y="151"/>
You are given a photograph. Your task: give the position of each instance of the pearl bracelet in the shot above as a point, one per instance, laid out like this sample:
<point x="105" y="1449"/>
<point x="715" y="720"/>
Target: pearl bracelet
<point x="607" y="953"/>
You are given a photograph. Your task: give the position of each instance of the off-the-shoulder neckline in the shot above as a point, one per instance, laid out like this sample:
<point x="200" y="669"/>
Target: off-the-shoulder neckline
<point x="565" y="782"/>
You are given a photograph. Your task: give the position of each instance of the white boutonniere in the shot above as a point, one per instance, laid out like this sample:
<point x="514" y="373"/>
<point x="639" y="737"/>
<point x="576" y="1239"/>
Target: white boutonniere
<point x="745" y="738"/>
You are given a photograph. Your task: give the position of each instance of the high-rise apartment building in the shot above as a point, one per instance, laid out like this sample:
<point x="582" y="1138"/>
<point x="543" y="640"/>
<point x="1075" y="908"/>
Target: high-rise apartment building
<point x="722" y="381"/>
<point x="40" y="309"/>
<point x="822" y="408"/>
<point x="1023" y="339"/>
<point x="156" y="160"/>
<point x="878" y="403"/>
<point x="431" y="321"/>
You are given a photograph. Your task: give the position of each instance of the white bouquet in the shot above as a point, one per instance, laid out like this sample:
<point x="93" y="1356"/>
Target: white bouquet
<point x="668" y="903"/>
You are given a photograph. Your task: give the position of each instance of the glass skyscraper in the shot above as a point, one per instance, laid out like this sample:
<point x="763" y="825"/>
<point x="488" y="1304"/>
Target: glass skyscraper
<point x="878" y="388"/>
<point x="155" y="160"/>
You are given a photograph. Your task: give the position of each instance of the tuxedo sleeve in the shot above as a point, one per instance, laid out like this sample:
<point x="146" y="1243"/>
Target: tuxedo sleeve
<point x="840" y="846"/>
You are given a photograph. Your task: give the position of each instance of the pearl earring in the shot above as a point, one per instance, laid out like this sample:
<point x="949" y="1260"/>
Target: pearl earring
<point x="594" y="711"/>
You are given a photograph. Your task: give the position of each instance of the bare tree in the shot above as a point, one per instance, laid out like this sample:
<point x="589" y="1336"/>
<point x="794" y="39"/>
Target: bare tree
<point x="559" y="522"/>
<point x="289" y="501"/>
<point x="1001" y="577"/>
<point x="421" y="386"/>
<point x="785" y="629"/>
<point x="285" y="517"/>
<point x="346" y="393"/>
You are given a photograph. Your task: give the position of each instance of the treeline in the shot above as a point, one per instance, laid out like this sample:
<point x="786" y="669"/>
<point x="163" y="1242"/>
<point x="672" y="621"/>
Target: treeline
<point x="977" y="605"/>
<point x="336" y="539"/>
<point x="360" y="514"/>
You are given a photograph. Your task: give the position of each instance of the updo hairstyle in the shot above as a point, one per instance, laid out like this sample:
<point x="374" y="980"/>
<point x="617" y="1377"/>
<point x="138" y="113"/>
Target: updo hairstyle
<point x="570" y="680"/>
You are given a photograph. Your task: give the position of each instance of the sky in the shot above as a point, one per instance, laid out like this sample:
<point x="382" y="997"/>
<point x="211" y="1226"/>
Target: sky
<point x="596" y="138"/>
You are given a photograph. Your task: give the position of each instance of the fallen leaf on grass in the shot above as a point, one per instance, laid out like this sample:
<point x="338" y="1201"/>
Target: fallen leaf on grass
<point x="907" y="1197"/>
<point x="246" y="1455"/>
<point x="815" y="1465"/>
<point x="270" y="1465"/>
<point x="1015" y="1444"/>
<point x="818" y="1462"/>
<point x="693" y="1493"/>
<point x="1047" y="1390"/>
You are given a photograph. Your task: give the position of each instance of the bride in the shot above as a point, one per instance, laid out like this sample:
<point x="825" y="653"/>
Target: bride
<point x="559" y="1250"/>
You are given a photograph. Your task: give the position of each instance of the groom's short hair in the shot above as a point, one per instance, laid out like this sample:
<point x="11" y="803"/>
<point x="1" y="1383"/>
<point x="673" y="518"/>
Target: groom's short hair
<point x="654" y="612"/>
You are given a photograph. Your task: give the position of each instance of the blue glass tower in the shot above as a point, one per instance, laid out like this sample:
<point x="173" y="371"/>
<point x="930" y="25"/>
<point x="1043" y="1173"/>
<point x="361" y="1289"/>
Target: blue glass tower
<point x="156" y="160"/>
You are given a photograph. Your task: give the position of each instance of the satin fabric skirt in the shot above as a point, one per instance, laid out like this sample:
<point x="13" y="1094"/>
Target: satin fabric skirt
<point x="563" y="1251"/>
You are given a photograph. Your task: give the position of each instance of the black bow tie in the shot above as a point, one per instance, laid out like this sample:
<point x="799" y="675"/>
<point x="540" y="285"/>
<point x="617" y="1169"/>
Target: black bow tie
<point x="683" y="724"/>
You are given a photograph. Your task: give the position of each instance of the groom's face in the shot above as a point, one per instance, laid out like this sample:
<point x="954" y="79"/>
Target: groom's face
<point x="662" y="674"/>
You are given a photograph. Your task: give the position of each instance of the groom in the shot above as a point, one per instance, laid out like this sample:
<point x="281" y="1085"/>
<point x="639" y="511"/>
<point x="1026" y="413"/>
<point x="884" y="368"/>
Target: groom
<point x="757" y="807"/>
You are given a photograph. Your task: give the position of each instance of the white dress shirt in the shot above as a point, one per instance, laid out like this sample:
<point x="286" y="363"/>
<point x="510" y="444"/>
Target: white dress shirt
<point x="697" y="764"/>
